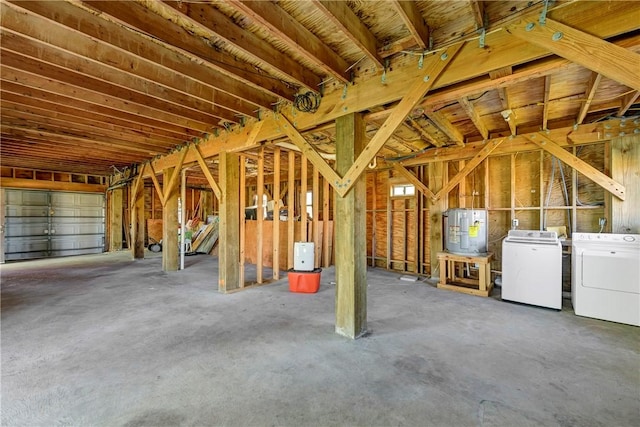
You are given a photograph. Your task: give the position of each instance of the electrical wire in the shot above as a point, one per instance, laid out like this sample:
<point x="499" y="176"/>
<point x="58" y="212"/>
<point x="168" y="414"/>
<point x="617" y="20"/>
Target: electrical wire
<point x="308" y="102"/>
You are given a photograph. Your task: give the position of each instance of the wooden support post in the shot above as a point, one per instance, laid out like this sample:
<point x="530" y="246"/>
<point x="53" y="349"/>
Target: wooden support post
<point x="242" y="235"/>
<point x="315" y="225"/>
<point x="437" y="178"/>
<point x="137" y="221"/>
<point x="303" y="200"/>
<point x="351" y="247"/>
<point x="290" y="208"/>
<point x="276" y="214"/>
<point x="115" y="220"/>
<point x="374" y="189"/>
<point x="170" y="221"/>
<point x="229" y="252"/>
<point x="260" y="216"/>
<point x="326" y="248"/>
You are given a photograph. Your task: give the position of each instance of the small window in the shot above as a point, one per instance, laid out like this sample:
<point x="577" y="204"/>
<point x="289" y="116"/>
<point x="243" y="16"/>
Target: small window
<point x="403" y="190"/>
<point x="309" y="204"/>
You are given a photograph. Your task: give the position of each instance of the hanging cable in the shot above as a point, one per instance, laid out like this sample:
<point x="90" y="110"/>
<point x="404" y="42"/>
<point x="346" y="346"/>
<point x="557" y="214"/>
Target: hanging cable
<point x="308" y="102"/>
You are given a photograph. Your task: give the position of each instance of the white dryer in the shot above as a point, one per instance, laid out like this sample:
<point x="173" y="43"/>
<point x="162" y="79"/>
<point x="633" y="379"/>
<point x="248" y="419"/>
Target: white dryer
<point x="605" y="279"/>
<point x="532" y="268"/>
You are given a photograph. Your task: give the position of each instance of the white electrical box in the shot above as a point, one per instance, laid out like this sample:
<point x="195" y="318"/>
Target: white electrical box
<point x="303" y="256"/>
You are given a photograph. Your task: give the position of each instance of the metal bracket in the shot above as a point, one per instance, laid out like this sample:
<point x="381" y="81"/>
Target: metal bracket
<point x="344" y="92"/>
<point x="483" y="30"/>
<point x="483" y="33"/>
<point x="384" y="73"/>
<point x="543" y="14"/>
<point x="421" y="62"/>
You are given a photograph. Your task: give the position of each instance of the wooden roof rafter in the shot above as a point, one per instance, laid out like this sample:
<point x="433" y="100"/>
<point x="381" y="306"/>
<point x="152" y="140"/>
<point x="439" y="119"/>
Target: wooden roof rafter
<point x="279" y="23"/>
<point x="413" y="20"/>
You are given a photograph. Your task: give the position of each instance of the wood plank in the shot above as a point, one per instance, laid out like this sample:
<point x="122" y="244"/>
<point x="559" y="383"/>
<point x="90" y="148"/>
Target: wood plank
<point x="625" y="168"/>
<point x="205" y="170"/>
<point x="620" y="65"/>
<point x="170" y="258"/>
<point x="628" y="100"/>
<point x="81" y="21"/>
<point x="31" y="184"/>
<point x="288" y="30"/>
<point x="260" y="217"/>
<point x="179" y="38"/>
<point x="115" y="219"/>
<point x="304" y="236"/>
<point x="420" y="186"/>
<point x="208" y="22"/>
<point x="326" y="250"/>
<point x="242" y="233"/>
<point x="138" y="225"/>
<point x="592" y="88"/>
<point x="315" y="221"/>
<point x="469" y="167"/>
<point x="309" y="151"/>
<point x="173" y="179"/>
<point x="291" y="169"/>
<point x="228" y="252"/>
<point x="545" y="107"/>
<point x="477" y="7"/>
<point x="446" y="126"/>
<point x="473" y="114"/>
<point x="432" y="69"/>
<point x="351" y="247"/>
<point x="339" y="13"/>
<point x="438" y="175"/>
<point x="156" y="183"/>
<point x="276" y="214"/>
<point x="135" y="186"/>
<point x="581" y="166"/>
<point x="413" y="20"/>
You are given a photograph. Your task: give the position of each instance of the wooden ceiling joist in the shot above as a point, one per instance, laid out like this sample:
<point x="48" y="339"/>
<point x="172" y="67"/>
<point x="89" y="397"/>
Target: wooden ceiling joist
<point x="413" y="20"/>
<point x="446" y="126"/>
<point x="125" y="41"/>
<point x="281" y="25"/>
<point x="471" y="111"/>
<point x="545" y="107"/>
<point x="208" y="22"/>
<point x="157" y="26"/>
<point x="339" y="13"/>
<point x="627" y="101"/>
<point x="592" y="88"/>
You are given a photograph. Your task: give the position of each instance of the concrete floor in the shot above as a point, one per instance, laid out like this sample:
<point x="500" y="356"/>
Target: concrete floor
<point x="103" y="340"/>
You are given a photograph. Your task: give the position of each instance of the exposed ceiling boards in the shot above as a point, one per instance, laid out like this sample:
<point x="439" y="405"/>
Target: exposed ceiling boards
<point x="90" y="85"/>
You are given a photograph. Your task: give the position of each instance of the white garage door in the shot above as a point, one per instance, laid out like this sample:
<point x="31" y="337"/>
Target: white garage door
<point x="50" y="223"/>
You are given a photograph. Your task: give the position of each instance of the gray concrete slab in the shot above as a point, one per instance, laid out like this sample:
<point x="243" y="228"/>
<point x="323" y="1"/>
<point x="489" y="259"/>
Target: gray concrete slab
<point x="103" y="340"/>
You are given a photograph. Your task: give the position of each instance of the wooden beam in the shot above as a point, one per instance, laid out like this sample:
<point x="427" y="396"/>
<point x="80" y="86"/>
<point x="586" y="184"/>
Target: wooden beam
<point x="625" y="167"/>
<point x="207" y="173"/>
<point x="208" y="22"/>
<point x="291" y="169"/>
<point x="173" y="178"/>
<point x="32" y="184"/>
<point x="315" y="220"/>
<point x="592" y="88"/>
<point x="414" y="180"/>
<point x="600" y="56"/>
<point x="136" y="184"/>
<point x="308" y="151"/>
<point x="276" y="215"/>
<point x="339" y="13"/>
<point x="433" y="67"/>
<point x="170" y="258"/>
<point x="288" y="30"/>
<point x="351" y="246"/>
<point x="156" y="184"/>
<point x="175" y="36"/>
<point x="413" y="20"/>
<point x="304" y="236"/>
<point x="242" y="232"/>
<point x="260" y="217"/>
<point x="579" y="165"/>
<point x="446" y="126"/>
<point x="76" y="19"/>
<point x="138" y="224"/>
<point x="326" y="251"/>
<point x="628" y="100"/>
<point x="545" y="107"/>
<point x="438" y="174"/>
<point x="469" y="167"/>
<point x="426" y="136"/>
<point x="467" y="105"/>
<point x="229" y="252"/>
<point x="115" y="219"/>
<point x="477" y="7"/>
<point x="371" y="92"/>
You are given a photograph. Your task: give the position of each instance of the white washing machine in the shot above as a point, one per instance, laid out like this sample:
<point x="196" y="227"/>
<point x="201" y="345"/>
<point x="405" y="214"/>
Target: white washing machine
<point x="532" y="268"/>
<point x="605" y="279"/>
